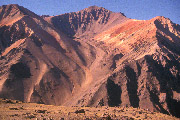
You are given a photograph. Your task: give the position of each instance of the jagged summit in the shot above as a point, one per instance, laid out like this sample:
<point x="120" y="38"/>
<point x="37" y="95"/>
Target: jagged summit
<point x="94" y="8"/>
<point x="10" y="5"/>
<point x="13" y="9"/>
<point x="88" y="21"/>
<point x="9" y="13"/>
<point x="12" y="13"/>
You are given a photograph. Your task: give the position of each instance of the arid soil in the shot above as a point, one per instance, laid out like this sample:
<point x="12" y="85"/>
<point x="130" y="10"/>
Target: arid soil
<point x="16" y="110"/>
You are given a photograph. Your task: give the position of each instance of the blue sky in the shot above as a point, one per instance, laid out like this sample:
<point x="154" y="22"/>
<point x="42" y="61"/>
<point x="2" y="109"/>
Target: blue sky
<point x="136" y="9"/>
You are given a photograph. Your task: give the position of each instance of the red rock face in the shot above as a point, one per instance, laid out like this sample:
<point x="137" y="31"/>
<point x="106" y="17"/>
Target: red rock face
<point x="92" y="57"/>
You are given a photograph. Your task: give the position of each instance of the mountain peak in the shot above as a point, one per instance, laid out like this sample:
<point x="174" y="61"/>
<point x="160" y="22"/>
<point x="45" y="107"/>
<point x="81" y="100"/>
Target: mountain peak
<point x="9" y="14"/>
<point x="11" y="5"/>
<point x="83" y="20"/>
<point x="12" y="13"/>
<point x="94" y="7"/>
<point x="161" y="18"/>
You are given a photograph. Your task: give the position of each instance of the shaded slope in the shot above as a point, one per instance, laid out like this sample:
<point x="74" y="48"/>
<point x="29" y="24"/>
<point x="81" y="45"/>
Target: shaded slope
<point x="52" y="60"/>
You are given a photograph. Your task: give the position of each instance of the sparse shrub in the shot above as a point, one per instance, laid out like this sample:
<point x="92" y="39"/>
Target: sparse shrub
<point x="14" y="115"/>
<point x="10" y="101"/>
<point x="31" y="116"/>
<point x="108" y="117"/>
<point x="131" y="118"/>
<point x="80" y="111"/>
<point x="13" y="108"/>
<point x="40" y="111"/>
<point x="21" y="108"/>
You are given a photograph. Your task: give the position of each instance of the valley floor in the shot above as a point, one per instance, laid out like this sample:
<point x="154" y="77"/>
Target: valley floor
<point x="16" y="110"/>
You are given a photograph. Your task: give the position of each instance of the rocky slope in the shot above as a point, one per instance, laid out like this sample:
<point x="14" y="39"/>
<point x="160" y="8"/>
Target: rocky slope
<point x="93" y="57"/>
<point x="146" y="70"/>
<point x="38" y="62"/>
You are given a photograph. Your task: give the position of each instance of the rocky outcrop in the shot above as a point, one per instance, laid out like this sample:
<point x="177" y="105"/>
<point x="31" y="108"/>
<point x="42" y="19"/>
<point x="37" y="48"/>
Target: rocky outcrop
<point x="145" y="83"/>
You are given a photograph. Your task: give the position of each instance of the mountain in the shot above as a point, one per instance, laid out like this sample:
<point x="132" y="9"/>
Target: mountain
<point x="93" y="57"/>
<point x="146" y="64"/>
<point x="87" y="22"/>
<point x="38" y="62"/>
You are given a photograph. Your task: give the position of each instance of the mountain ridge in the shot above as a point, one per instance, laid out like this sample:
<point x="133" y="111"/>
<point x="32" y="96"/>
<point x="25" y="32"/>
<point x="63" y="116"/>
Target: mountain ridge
<point x="79" y="22"/>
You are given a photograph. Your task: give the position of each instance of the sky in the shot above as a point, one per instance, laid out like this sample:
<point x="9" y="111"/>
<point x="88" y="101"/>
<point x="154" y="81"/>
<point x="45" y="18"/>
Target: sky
<point x="135" y="9"/>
